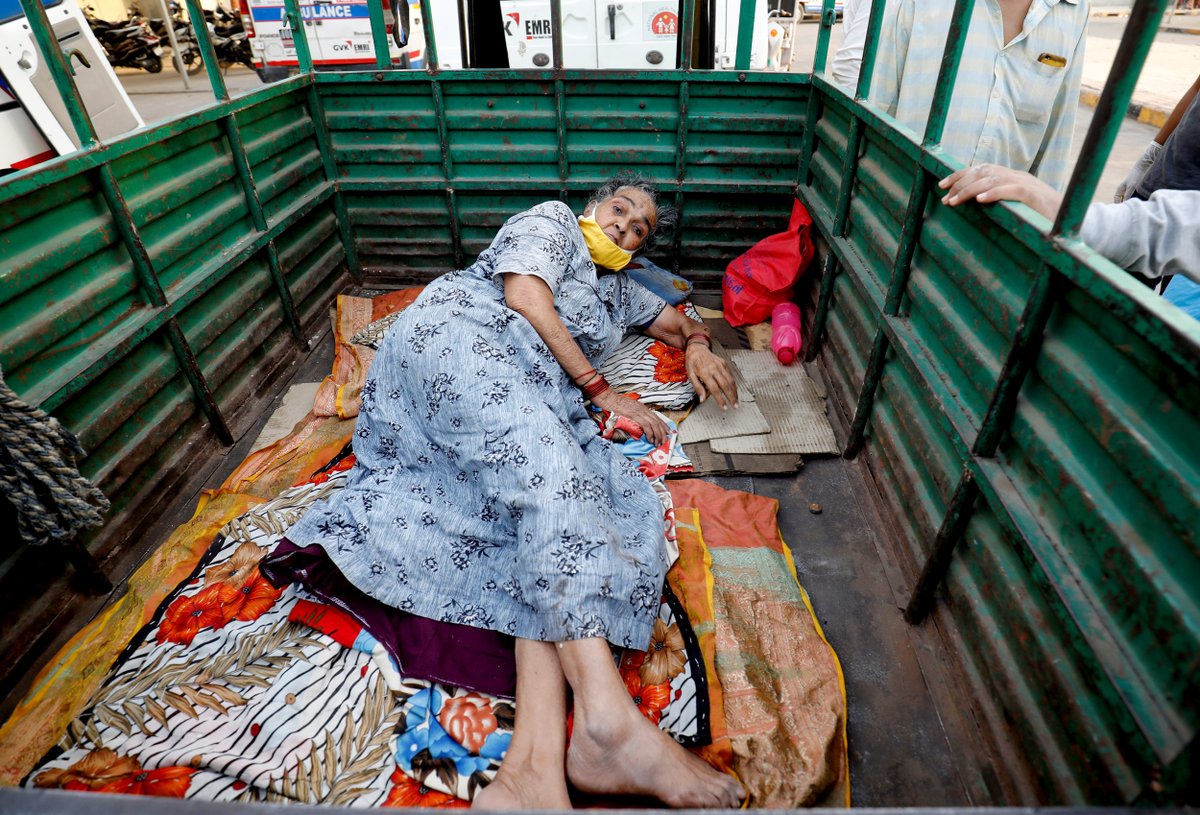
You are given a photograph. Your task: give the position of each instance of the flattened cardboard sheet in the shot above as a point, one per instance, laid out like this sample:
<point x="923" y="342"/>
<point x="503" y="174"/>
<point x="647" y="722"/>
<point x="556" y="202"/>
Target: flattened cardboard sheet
<point x="791" y="403"/>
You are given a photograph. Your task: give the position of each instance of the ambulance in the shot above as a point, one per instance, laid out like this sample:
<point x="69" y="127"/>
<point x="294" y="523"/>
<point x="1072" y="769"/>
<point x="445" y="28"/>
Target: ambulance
<point x="630" y="34"/>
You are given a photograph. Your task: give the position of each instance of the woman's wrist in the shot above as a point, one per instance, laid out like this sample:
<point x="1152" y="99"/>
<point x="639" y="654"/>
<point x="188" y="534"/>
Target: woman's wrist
<point x="594" y="388"/>
<point x="698" y="338"/>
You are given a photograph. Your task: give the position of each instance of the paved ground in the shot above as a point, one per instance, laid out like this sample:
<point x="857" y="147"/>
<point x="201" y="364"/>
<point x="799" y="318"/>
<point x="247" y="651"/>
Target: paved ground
<point x="162" y="96"/>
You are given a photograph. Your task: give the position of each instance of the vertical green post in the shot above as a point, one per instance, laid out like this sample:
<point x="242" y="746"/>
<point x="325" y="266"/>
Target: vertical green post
<point x="259" y="219"/>
<point x="60" y="71"/>
<point x="431" y="57"/>
<point x="1127" y="65"/>
<point x="379" y="37"/>
<point x="913" y="217"/>
<point x="870" y="50"/>
<point x="299" y="38"/>
<point x="828" y="17"/>
<point x="943" y="91"/>
<point x="958" y="514"/>
<point x="745" y="38"/>
<point x="687" y="22"/>
<point x="1106" y="121"/>
<point x="556" y="38"/>
<point x="211" y="65"/>
<point x="828" y="277"/>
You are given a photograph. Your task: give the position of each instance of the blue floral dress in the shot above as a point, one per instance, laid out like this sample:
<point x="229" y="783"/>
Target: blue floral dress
<point x="482" y="493"/>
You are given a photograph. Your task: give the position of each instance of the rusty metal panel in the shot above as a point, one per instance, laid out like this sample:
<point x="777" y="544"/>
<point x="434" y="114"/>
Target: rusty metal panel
<point x="282" y="150"/>
<point x="717" y="227"/>
<point x="1075" y="590"/>
<point x="313" y="261"/>
<point x="407" y="233"/>
<point x="66" y="279"/>
<point x="384" y="131"/>
<point x="186" y="202"/>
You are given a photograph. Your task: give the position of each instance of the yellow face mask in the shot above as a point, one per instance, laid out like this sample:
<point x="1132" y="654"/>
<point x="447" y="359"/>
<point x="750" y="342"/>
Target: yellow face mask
<point x="601" y="247"/>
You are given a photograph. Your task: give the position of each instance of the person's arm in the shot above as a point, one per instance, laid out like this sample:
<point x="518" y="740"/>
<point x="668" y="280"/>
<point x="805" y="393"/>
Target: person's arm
<point x="847" y="61"/>
<point x="1153" y="238"/>
<point x="1154" y="148"/>
<point x="707" y="372"/>
<point x="988" y="183"/>
<point x="1181" y="107"/>
<point x="530" y="297"/>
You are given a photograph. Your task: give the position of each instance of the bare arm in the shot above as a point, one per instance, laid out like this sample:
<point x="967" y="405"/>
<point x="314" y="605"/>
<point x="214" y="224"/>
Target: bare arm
<point x="530" y="297"/>
<point x="707" y="372"/>
<point x="988" y="183"/>
<point x="1177" y="114"/>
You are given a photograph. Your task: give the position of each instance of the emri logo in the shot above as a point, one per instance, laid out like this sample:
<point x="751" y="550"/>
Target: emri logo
<point x="537" y="28"/>
<point x="514" y="18"/>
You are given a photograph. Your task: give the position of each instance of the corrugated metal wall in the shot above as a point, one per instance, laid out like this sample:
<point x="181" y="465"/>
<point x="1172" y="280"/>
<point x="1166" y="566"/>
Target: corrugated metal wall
<point x="514" y="139"/>
<point x="1075" y="588"/>
<point x="137" y="339"/>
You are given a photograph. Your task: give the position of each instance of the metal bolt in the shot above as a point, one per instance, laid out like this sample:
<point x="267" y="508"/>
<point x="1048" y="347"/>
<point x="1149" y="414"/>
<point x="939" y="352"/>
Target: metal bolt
<point x="814" y="508"/>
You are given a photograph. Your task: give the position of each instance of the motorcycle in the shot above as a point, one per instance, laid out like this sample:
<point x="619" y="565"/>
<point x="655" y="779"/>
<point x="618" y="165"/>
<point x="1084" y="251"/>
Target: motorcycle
<point x="127" y="43"/>
<point x="186" y="53"/>
<point x="229" y="38"/>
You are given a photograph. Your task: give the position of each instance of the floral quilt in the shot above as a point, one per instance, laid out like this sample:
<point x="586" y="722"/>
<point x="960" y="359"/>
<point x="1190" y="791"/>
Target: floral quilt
<point x="237" y="691"/>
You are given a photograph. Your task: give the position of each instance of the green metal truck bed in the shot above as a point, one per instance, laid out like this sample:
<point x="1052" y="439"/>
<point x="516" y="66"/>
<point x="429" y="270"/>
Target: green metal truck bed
<point x="1028" y="416"/>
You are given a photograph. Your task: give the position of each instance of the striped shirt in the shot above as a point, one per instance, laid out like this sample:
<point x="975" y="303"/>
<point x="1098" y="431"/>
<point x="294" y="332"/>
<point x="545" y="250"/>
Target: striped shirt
<point x="1012" y="104"/>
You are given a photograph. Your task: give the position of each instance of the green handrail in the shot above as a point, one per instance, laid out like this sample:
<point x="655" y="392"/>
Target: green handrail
<point x="299" y="39"/>
<point x="745" y="38"/>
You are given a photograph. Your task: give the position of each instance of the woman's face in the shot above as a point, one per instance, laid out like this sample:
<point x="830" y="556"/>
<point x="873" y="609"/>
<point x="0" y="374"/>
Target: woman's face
<point x="627" y="218"/>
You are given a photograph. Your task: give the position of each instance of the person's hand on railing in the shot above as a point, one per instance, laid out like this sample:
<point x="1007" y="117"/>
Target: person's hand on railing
<point x="989" y="183"/>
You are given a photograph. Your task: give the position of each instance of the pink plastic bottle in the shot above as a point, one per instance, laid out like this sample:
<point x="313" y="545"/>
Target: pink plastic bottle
<point x="785" y="332"/>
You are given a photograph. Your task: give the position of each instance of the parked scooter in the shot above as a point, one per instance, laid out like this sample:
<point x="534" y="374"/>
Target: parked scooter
<point x="229" y="38"/>
<point x="127" y="43"/>
<point x="186" y="56"/>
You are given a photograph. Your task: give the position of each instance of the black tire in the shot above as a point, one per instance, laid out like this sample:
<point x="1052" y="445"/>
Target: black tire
<point x="189" y="60"/>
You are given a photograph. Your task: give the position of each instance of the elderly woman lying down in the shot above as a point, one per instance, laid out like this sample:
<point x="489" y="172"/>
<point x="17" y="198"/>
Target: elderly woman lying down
<point x="482" y="494"/>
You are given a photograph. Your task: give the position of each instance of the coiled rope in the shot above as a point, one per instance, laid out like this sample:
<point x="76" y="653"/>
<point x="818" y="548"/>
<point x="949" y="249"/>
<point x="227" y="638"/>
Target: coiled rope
<point x="38" y="474"/>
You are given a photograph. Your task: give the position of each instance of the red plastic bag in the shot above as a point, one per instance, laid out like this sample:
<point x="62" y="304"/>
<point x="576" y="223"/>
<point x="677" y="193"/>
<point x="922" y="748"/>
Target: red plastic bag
<point x="763" y="276"/>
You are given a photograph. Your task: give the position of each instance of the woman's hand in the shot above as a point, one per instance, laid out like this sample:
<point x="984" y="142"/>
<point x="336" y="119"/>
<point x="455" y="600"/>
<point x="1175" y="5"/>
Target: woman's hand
<point x="710" y="375"/>
<point x="651" y="423"/>
<point x="988" y="183"/>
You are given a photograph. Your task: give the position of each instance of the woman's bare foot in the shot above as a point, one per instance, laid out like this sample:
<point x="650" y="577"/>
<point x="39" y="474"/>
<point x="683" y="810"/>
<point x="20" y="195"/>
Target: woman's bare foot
<point x="524" y="788"/>
<point x="622" y="752"/>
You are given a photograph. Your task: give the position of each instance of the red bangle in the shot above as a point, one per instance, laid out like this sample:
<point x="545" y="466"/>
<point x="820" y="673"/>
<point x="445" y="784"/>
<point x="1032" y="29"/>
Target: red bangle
<point x="594" y="388"/>
<point x="698" y="335"/>
<point x="589" y="372"/>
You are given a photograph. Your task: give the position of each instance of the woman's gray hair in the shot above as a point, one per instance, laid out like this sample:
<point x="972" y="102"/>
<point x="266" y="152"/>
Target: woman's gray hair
<point x="668" y="216"/>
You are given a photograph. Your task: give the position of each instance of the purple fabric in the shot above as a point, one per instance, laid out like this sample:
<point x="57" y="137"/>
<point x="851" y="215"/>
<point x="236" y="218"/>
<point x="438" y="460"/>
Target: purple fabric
<point x="449" y="653"/>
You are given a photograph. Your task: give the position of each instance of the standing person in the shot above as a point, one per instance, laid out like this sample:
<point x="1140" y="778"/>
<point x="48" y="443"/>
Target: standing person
<point x="856" y="15"/>
<point x="1170" y="162"/>
<point x="1172" y="159"/>
<point x="483" y="495"/>
<point x="1017" y="88"/>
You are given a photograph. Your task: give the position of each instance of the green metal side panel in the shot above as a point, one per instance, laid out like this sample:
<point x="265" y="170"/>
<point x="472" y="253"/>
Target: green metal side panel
<point x="137" y="359"/>
<point x="513" y="139"/>
<point x="1075" y="590"/>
